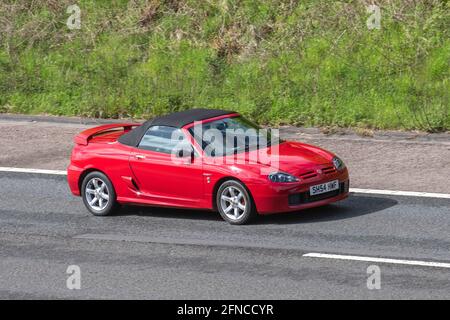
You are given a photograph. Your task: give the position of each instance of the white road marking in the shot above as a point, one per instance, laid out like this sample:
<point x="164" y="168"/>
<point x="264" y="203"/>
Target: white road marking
<point x="354" y="190"/>
<point x="379" y="260"/>
<point x="27" y="170"/>
<point x="401" y="193"/>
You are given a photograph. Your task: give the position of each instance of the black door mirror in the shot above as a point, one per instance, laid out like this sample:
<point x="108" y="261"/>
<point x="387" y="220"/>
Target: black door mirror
<point x="185" y="152"/>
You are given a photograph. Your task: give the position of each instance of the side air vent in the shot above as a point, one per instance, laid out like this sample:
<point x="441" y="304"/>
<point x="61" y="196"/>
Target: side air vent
<point x="329" y="170"/>
<point x="308" y="175"/>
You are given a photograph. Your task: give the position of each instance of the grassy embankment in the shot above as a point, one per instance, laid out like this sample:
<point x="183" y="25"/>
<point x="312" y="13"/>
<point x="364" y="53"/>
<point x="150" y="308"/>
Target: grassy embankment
<point x="310" y="62"/>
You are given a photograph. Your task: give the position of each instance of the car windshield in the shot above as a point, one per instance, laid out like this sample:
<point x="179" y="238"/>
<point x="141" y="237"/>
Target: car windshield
<point x="230" y="136"/>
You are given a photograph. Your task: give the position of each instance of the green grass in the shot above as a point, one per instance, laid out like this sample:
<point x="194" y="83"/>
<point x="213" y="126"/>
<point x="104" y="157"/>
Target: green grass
<point x="311" y="63"/>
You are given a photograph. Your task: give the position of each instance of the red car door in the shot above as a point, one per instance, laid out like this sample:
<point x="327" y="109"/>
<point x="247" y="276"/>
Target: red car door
<point x="161" y="178"/>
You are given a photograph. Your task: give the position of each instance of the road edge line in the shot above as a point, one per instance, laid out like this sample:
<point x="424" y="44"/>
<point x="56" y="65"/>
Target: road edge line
<point x="29" y="170"/>
<point x="401" y="193"/>
<point x="378" y="260"/>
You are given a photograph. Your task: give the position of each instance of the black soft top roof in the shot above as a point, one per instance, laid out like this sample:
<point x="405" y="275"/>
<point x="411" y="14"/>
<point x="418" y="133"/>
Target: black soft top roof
<point x="176" y="120"/>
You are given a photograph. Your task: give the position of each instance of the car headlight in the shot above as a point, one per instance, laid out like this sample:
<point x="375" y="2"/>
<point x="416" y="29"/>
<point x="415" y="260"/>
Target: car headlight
<point x="338" y="163"/>
<point x="282" y="177"/>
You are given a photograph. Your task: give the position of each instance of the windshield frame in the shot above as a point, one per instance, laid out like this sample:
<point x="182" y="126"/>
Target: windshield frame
<point x="199" y="145"/>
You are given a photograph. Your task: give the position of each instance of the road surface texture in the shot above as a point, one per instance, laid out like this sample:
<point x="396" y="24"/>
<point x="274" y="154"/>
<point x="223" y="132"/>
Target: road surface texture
<point x="168" y="254"/>
<point x="157" y="253"/>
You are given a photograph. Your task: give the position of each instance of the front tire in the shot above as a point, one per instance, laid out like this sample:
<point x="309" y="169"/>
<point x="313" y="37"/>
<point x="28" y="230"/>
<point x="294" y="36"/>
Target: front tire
<point x="98" y="194"/>
<point x="234" y="203"/>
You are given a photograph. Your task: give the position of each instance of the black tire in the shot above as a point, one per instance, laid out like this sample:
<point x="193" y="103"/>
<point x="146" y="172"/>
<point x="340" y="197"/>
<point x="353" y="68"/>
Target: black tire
<point x="244" y="215"/>
<point x="111" y="204"/>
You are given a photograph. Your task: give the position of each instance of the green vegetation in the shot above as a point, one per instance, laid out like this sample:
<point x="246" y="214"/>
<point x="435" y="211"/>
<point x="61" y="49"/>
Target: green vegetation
<point x="309" y="62"/>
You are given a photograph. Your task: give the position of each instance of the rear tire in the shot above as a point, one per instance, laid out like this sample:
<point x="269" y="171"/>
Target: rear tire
<point x="234" y="203"/>
<point x="98" y="194"/>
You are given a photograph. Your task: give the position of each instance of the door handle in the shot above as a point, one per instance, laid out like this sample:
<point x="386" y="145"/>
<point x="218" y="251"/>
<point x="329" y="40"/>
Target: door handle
<point x="139" y="156"/>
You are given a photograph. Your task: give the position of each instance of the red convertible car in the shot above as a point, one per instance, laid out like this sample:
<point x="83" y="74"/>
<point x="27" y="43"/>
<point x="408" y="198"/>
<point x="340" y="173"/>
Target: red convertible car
<point x="204" y="159"/>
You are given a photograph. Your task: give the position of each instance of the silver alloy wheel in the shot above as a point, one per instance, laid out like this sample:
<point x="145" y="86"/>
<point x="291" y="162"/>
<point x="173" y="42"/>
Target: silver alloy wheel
<point x="97" y="194"/>
<point x="233" y="202"/>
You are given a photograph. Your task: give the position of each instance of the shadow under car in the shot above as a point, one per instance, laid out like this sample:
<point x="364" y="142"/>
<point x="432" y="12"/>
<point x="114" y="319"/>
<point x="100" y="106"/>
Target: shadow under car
<point x="354" y="206"/>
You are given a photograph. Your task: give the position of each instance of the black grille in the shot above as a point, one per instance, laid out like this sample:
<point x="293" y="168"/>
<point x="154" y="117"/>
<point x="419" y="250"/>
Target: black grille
<point x="304" y="197"/>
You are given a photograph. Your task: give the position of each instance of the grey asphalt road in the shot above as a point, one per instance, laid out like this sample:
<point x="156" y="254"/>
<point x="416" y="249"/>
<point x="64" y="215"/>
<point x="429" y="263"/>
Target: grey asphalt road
<point x="154" y="253"/>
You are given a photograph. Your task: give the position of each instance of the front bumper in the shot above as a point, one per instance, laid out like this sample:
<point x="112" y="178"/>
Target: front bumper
<point x="276" y="197"/>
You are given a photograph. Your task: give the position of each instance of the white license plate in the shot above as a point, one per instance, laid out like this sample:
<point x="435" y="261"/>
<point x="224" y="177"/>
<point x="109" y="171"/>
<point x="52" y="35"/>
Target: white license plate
<point x="324" y="187"/>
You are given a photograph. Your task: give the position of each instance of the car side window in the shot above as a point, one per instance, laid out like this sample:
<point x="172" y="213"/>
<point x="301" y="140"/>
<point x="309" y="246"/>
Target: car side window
<point x="161" y="139"/>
